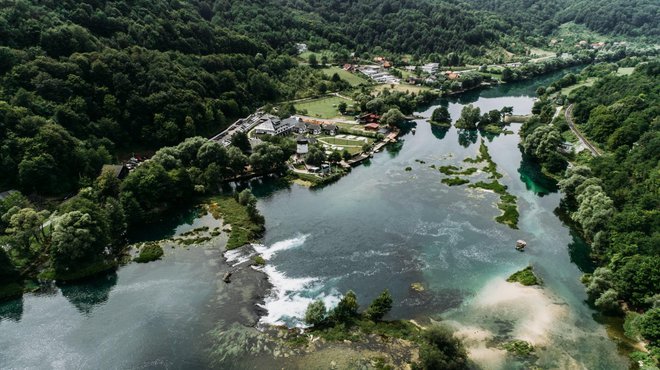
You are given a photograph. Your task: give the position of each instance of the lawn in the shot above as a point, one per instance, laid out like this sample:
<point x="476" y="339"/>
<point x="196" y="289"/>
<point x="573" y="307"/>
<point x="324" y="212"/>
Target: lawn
<point x="588" y="82"/>
<point x="352" y="78"/>
<point x="341" y="143"/>
<point x="322" y="108"/>
<point x="625" y="71"/>
<point x="401" y="87"/>
<point x="305" y="56"/>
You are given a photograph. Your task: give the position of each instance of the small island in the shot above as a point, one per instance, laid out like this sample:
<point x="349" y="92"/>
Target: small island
<point x="525" y="277"/>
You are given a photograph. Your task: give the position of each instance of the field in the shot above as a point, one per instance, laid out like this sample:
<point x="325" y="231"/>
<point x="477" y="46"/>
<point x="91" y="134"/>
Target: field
<point x="352" y="78"/>
<point x="540" y="54"/>
<point x="625" y="71"/>
<point x="402" y="88"/>
<point x="305" y="56"/>
<point x="345" y="142"/>
<point x="589" y="82"/>
<point x="322" y="108"/>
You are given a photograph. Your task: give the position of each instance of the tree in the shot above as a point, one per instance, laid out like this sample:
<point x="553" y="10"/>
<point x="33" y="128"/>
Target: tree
<point x="8" y="272"/>
<point x="346" y="155"/>
<point x="77" y="241"/>
<point x="649" y="326"/>
<point x="241" y="141"/>
<point x="315" y="156"/>
<point x="347" y="308"/>
<point x="442" y="350"/>
<point x="441" y="115"/>
<point x="470" y="116"/>
<point x="315" y="313"/>
<point x="107" y="184"/>
<point x="313" y="62"/>
<point x="334" y="157"/>
<point x="393" y="118"/>
<point x="25" y="227"/>
<point x="236" y="160"/>
<point x="380" y="306"/>
<point x="324" y="60"/>
<point x="341" y="107"/>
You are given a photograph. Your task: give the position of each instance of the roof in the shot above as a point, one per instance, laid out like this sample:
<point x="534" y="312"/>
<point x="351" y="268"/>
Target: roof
<point x="115" y="169"/>
<point x="7" y="193"/>
<point x="330" y="126"/>
<point x="372" y="126"/>
<point x="302" y="140"/>
<point x="313" y="126"/>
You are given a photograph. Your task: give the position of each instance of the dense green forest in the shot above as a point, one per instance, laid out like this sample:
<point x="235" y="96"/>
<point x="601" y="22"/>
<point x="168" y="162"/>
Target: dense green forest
<point x="530" y="18"/>
<point x="614" y="199"/>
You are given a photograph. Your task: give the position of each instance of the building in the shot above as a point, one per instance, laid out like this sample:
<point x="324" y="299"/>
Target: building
<point x="300" y="127"/>
<point x="120" y="171"/>
<point x="302" y="145"/>
<point x="372" y="126"/>
<point x="7" y="193"/>
<point x="271" y="125"/>
<point x="349" y="68"/>
<point x="301" y="48"/>
<point x="314" y="129"/>
<point x="330" y="129"/>
<point x="368" y="118"/>
<point x="431" y="68"/>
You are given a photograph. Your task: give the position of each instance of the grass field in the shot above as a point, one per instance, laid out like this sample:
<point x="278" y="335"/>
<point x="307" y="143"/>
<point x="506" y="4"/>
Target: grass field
<point x="322" y="108"/>
<point x="352" y="78"/>
<point x="401" y="87"/>
<point x="588" y="82"/>
<point x="353" y="146"/>
<point x="305" y="56"/>
<point x="625" y="71"/>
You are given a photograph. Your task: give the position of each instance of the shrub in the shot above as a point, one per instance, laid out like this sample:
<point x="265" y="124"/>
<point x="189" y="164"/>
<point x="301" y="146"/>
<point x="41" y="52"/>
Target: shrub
<point x="525" y="277"/>
<point x="380" y="306"/>
<point x="441" y="350"/>
<point x="148" y="253"/>
<point x="347" y="308"/>
<point x="315" y="313"/>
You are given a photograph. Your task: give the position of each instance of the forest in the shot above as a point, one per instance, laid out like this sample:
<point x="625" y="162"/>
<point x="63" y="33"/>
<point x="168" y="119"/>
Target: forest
<point x="614" y="199"/>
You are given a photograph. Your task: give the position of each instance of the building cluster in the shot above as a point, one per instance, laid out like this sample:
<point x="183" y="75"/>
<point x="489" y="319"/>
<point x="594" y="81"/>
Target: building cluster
<point x="379" y="74"/>
<point x="274" y="126"/>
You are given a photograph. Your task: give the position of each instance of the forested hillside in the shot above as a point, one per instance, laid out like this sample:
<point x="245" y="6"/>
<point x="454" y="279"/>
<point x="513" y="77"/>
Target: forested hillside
<point x="415" y="27"/>
<point x="637" y="18"/>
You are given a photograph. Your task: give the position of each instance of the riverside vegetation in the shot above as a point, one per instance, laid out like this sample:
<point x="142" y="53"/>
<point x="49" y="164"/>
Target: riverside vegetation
<point x="612" y="199"/>
<point x="83" y="83"/>
<point x="438" y="348"/>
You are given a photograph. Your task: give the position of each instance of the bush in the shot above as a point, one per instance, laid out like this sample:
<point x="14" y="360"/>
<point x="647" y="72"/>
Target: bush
<point x="525" y="277"/>
<point x="380" y="306"/>
<point x="441" y="350"/>
<point x="347" y="308"/>
<point x="148" y="253"/>
<point x="315" y="313"/>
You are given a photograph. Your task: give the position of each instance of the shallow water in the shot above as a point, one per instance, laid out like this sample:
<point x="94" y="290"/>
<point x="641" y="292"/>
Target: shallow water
<point x="380" y="227"/>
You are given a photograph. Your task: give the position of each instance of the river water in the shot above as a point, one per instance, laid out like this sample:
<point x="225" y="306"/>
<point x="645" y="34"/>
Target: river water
<point x="379" y="228"/>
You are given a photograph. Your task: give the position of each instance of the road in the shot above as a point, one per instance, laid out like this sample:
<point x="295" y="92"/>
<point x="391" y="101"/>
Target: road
<point x="568" y="114"/>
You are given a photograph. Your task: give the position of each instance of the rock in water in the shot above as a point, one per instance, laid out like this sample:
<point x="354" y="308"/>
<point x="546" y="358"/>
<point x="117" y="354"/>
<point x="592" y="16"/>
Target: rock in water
<point x="520" y="245"/>
<point x="226" y="277"/>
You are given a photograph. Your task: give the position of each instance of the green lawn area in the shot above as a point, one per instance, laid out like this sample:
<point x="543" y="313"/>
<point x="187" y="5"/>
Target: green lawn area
<point x="352" y="78"/>
<point x="323" y="108"/>
<point x="625" y="71"/>
<point x="243" y="229"/>
<point x="588" y="82"/>
<point x="540" y="53"/>
<point x="353" y="146"/>
<point x="402" y="88"/>
<point x="305" y="56"/>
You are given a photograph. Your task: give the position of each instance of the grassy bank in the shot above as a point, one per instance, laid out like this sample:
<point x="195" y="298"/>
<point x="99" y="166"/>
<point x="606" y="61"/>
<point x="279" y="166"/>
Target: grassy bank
<point x="243" y="229"/>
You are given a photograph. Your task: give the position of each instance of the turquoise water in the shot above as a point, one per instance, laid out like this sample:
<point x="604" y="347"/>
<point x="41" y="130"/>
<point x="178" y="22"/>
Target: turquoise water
<point x="380" y="227"/>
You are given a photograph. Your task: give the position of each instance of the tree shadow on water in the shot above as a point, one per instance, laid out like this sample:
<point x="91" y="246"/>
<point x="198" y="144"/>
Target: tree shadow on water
<point x="89" y="294"/>
<point x="467" y="137"/>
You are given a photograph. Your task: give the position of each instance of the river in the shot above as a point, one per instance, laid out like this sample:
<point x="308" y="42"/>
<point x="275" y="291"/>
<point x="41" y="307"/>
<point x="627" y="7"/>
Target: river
<point x="381" y="227"/>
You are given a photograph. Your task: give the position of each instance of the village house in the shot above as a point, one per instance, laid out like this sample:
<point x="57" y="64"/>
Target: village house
<point x="431" y="68"/>
<point x="300" y="127"/>
<point x="119" y="171"/>
<point x="349" y="68"/>
<point x="330" y="129"/>
<point x="368" y="118"/>
<point x="314" y="129"/>
<point x="372" y="126"/>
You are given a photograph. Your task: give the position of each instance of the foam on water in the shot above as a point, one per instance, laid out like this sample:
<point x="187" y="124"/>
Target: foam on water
<point x="238" y="256"/>
<point x="289" y="297"/>
<point x="268" y="252"/>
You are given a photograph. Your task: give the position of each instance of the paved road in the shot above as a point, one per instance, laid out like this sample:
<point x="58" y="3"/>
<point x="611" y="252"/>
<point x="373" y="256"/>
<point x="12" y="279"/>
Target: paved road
<point x="569" y="119"/>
